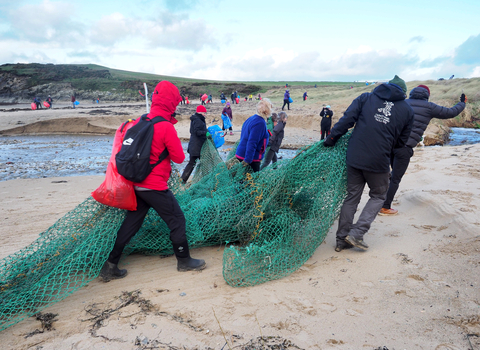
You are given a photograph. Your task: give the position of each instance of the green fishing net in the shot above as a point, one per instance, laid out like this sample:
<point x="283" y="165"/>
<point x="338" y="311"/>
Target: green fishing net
<point x="270" y="222"/>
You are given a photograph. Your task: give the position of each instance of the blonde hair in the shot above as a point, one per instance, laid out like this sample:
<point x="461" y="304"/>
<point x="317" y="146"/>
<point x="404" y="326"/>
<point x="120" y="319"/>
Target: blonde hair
<point x="264" y="108"/>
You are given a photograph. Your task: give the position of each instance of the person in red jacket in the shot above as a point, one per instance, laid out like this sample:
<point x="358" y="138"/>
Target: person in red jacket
<point x="153" y="192"/>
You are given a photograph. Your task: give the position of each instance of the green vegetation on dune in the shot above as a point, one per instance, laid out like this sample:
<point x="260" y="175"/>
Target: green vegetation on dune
<point x="96" y="78"/>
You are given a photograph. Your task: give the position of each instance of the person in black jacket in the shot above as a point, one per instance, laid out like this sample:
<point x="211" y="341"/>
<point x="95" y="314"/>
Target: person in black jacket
<point x="50" y="101"/>
<point x="326" y="123"/>
<point x="400" y="157"/>
<point x="382" y="121"/>
<point x="198" y="135"/>
<point x="276" y="139"/>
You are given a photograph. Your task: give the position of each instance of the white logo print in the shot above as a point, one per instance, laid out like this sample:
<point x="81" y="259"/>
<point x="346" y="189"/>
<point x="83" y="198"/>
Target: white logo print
<point x="384" y="118"/>
<point x="128" y="141"/>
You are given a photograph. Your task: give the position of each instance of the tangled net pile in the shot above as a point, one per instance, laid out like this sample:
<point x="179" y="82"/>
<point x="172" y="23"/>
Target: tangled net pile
<point x="271" y="223"/>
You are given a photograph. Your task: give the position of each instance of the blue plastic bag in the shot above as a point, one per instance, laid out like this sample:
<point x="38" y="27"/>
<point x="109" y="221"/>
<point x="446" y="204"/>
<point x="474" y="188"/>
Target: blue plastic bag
<point x="76" y="103"/>
<point x="290" y="100"/>
<point x="217" y="135"/>
<point x="227" y="123"/>
<point x="223" y="101"/>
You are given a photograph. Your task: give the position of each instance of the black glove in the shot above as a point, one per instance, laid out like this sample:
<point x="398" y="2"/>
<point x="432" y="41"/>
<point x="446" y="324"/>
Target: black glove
<point x="329" y="142"/>
<point x="463" y="98"/>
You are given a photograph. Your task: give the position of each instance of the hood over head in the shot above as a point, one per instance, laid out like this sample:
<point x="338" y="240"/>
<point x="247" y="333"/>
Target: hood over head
<point x="419" y="93"/>
<point x="165" y="100"/>
<point x="389" y="92"/>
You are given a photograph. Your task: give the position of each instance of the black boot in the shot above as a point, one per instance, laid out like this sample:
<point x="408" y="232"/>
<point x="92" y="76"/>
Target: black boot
<point x="110" y="271"/>
<point x="184" y="261"/>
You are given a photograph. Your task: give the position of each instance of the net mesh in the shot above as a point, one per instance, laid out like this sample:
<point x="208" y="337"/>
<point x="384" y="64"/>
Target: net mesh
<point x="270" y="221"/>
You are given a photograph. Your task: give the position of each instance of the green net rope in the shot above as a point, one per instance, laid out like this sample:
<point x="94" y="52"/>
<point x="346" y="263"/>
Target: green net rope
<point x="271" y="223"/>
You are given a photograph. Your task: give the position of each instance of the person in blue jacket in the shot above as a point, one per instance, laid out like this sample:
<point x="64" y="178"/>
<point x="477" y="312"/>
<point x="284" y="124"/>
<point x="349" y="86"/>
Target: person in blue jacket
<point x="382" y="121"/>
<point x="254" y="136"/>
<point x="286" y="99"/>
<point x="305" y="96"/>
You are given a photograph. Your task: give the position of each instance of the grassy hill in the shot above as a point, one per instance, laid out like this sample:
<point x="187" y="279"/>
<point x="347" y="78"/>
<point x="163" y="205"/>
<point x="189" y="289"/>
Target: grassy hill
<point x="99" y="79"/>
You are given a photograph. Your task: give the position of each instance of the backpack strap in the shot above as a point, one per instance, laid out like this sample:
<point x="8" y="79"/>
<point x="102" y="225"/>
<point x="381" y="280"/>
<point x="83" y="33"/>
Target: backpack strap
<point x="125" y="124"/>
<point x="165" y="153"/>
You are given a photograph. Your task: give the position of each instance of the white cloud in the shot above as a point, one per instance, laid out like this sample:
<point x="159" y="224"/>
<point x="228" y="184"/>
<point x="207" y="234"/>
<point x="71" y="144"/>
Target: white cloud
<point x="179" y="32"/>
<point x="475" y="73"/>
<point x="113" y="28"/>
<point x="48" y="22"/>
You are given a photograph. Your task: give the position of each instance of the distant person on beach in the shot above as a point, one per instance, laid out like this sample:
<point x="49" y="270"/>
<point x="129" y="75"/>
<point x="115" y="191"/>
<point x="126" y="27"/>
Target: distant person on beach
<point x="400" y="157"/>
<point x="382" y="120"/>
<point x="276" y="139"/>
<point x="254" y="137"/>
<point x="286" y="99"/>
<point x="73" y="101"/>
<point x="222" y="96"/>
<point x="210" y="99"/>
<point x="305" y="96"/>
<point x="153" y="192"/>
<point x="182" y="95"/>
<point x="326" y="124"/>
<point x="37" y="102"/>
<point x="227" y="110"/>
<point x="250" y="97"/>
<point x="232" y="96"/>
<point x="50" y="101"/>
<point x="198" y="135"/>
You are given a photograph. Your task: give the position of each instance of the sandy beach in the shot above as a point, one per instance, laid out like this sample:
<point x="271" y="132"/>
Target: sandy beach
<point x="417" y="287"/>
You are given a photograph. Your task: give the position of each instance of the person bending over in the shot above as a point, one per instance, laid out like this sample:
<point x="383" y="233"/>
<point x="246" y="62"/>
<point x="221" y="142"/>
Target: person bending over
<point x="254" y="136"/>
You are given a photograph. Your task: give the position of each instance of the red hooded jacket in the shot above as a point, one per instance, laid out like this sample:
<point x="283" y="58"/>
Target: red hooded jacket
<point x="164" y="102"/>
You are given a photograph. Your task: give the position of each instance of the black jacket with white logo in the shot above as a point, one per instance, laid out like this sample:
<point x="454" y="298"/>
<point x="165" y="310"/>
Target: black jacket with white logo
<point x="382" y="121"/>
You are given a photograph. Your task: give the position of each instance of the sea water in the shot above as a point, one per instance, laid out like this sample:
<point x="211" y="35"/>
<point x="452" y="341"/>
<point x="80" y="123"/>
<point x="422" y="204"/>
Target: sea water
<point x="463" y="136"/>
<point x="43" y="156"/>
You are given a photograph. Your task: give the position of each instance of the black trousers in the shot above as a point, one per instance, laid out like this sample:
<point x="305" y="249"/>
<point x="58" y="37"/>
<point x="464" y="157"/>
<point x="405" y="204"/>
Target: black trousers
<point x="286" y="102"/>
<point x="166" y="205"/>
<point x="189" y="168"/>
<point x="400" y="160"/>
<point x="254" y="165"/>
<point x="325" y="129"/>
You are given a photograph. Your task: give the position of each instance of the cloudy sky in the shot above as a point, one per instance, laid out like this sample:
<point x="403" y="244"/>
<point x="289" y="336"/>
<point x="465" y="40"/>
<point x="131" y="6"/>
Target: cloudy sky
<point x="311" y="40"/>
